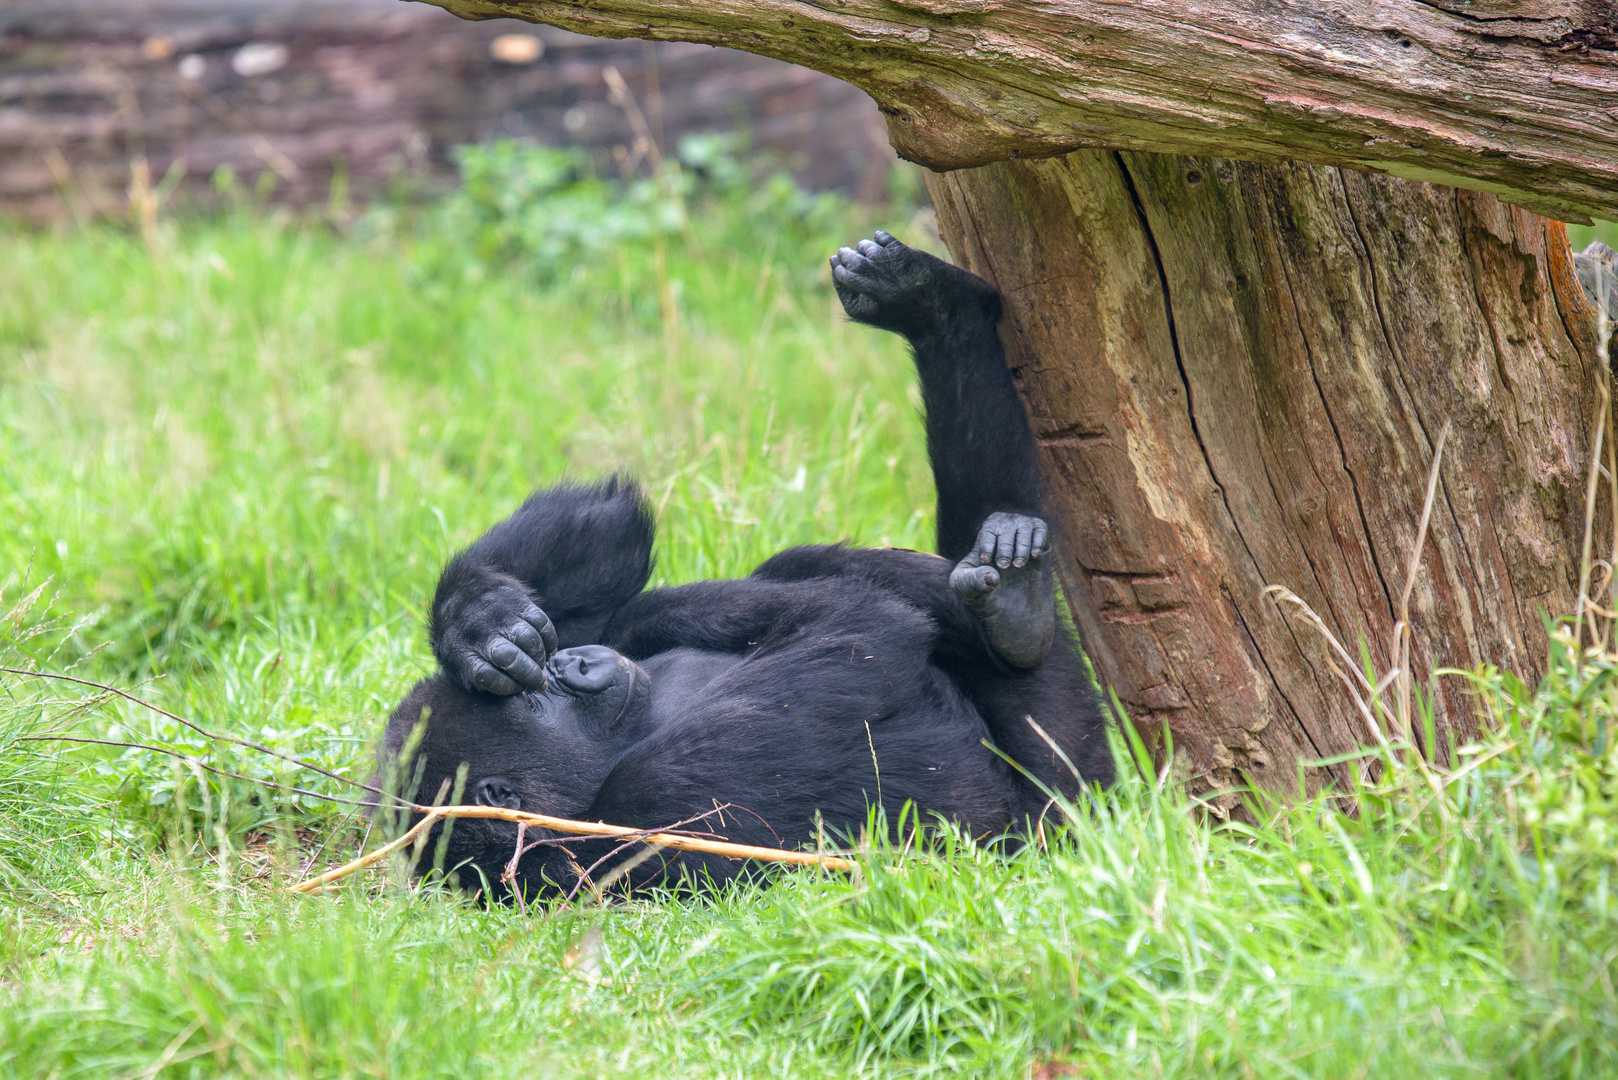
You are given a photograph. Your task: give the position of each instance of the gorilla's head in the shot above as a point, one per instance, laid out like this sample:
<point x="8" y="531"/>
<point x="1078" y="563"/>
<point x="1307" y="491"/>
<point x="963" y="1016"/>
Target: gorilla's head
<point x="543" y="751"/>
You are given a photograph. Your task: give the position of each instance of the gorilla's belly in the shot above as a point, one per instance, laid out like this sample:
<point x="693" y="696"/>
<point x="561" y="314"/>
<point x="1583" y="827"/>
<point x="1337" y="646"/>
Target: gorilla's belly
<point x="684" y="675"/>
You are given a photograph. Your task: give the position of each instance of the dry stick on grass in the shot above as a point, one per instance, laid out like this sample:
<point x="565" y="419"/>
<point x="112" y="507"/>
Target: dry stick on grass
<point x="562" y="825"/>
<point x="677" y="841"/>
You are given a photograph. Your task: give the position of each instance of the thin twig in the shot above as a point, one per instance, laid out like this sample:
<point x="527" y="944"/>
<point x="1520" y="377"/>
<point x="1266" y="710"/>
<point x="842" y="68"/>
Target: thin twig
<point x="586" y="828"/>
<point x="205" y="733"/>
<point x="310" y="862"/>
<point x="509" y="874"/>
<point x="376" y="856"/>
<point x="584" y="877"/>
<point x="628" y="866"/>
<point x="198" y="762"/>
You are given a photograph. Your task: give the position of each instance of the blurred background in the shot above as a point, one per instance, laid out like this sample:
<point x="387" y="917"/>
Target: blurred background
<point x="307" y="99"/>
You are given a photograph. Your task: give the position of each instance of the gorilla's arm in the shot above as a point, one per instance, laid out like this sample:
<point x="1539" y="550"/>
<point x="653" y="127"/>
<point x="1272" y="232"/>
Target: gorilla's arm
<point x="920" y="579"/>
<point x="549" y="576"/>
<point x="748" y="615"/>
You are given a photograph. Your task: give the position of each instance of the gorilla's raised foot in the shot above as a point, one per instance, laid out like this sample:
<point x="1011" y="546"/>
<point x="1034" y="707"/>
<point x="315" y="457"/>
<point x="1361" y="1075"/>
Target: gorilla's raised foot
<point x="885" y="284"/>
<point x="1006" y="579"/>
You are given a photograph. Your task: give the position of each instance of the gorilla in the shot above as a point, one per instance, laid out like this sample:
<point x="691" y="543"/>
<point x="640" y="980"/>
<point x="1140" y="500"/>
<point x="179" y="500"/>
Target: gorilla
<point x="831" y="680"/>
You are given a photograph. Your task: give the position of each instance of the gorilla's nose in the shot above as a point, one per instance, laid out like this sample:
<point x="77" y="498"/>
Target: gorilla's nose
<point x="587" y="669"/>
<point x="497" y="791"/>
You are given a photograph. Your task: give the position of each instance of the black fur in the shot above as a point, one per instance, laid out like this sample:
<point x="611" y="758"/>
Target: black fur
<point x="830" y="679"/>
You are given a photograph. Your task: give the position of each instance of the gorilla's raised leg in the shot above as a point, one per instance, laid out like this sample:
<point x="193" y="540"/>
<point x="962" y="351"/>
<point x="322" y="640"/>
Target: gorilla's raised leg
<point x="989" y="502"/>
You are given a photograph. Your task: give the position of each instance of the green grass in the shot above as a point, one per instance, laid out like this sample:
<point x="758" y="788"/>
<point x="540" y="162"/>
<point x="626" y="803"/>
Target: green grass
<point x="235" y="459"/>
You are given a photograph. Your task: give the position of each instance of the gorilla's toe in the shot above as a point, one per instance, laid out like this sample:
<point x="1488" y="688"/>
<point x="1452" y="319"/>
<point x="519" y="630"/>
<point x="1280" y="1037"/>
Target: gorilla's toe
<point x="973" y="582"/>
<point x="1011" y="540"/>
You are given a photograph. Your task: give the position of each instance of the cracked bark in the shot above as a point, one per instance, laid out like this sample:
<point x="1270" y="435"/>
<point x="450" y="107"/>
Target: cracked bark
<point x="1513" y="97"/>
<point x="1236" y="372"/>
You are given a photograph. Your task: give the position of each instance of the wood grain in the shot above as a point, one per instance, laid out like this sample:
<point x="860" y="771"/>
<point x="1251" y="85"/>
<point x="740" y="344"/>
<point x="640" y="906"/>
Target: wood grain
<point x="1237" y="373"/>
<point x="1514" y="99"/>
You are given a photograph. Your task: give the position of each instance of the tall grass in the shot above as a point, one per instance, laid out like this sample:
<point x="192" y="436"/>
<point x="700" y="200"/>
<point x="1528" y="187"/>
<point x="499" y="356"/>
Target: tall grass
<point x="231" y="461"/>
<point x="241" y="457"/>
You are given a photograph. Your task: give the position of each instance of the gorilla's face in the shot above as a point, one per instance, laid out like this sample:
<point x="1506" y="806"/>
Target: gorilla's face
<point x="544" y="751"/>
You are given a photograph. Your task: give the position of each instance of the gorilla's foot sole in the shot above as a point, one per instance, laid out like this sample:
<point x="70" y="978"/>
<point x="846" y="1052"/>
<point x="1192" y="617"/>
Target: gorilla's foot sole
<point x="1007" y="580"/>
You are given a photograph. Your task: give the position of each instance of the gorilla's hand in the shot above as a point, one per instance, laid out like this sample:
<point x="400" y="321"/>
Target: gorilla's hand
<point x="1006" y="579"/>
<point x="493" y="637"/>
<point x="892" y="287"/>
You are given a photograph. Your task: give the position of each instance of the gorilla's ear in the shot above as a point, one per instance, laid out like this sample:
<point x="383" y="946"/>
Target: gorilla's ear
<point x="497" y="791"/>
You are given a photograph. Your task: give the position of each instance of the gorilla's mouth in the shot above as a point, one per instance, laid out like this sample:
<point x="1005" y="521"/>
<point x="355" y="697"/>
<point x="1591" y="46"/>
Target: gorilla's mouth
<point x="629" y="695"/>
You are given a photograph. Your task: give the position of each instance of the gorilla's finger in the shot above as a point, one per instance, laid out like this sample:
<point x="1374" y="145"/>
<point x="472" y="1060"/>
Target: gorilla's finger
<point x="841" y="274"/>
<point x="984" y="548"/>
<point x="501" y="652"/>
<point x="869" y="248"/>
<point x="852" y="259"/>
<point x="547" y="630"/>
<point x="516" y="663"/>
<point x="487" y="679"/>
<point x="885" y="239"/>
<point x="1025" y="536"/>
<point x="1040" y="537"/>
<point x="528" y="640"/>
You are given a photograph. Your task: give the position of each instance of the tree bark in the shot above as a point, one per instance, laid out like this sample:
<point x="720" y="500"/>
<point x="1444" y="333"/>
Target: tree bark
<point x="1237" y="374"/>
<point x="1516" y="97"/>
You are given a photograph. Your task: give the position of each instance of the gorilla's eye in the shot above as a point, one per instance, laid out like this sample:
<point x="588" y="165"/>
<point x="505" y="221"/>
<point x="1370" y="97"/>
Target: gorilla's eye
<point x="536" y="702"/>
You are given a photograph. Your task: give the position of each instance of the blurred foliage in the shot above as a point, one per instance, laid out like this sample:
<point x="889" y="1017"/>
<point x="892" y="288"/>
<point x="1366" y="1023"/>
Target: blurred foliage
<point x="547" y="209"/>
<point x="1581" y="236"/>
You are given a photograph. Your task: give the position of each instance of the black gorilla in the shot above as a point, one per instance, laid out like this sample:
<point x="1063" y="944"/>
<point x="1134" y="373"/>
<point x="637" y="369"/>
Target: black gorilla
<point x="830" y="675"/>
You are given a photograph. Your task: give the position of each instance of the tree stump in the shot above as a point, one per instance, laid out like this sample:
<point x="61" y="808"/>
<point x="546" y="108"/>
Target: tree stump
<point x="1237" y="374"/>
